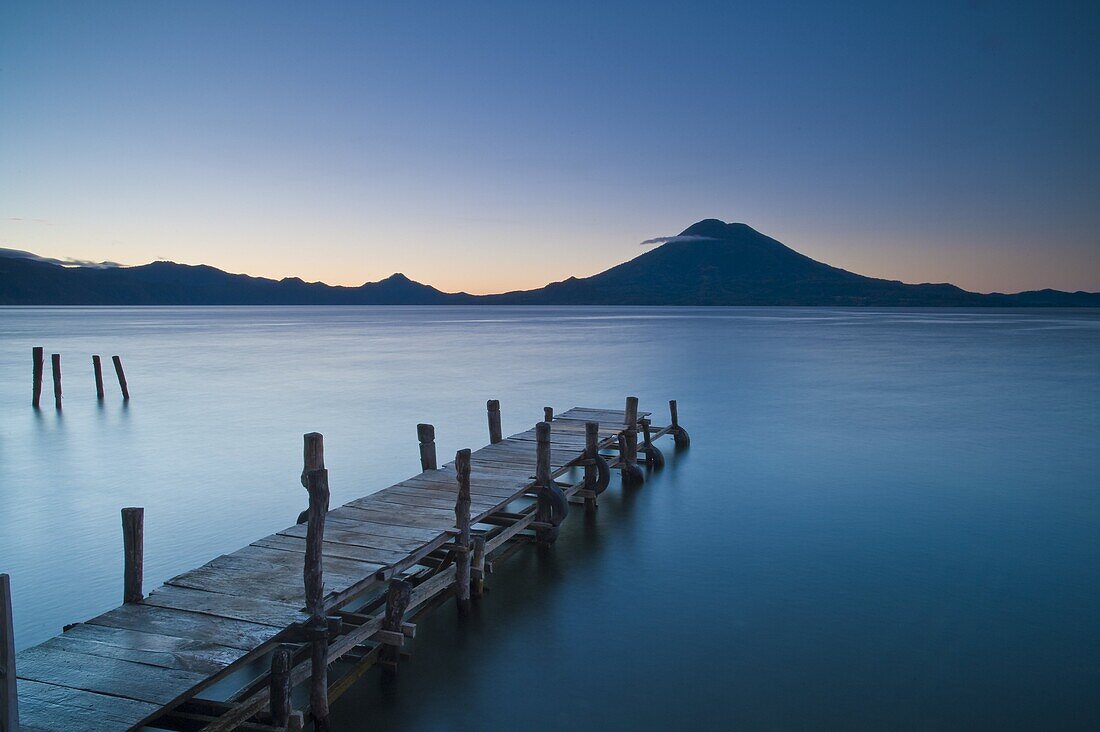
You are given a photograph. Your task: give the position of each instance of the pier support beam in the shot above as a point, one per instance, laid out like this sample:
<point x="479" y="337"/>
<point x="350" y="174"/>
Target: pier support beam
<point x="398" y="596"/>
<point x="97" y="368"/>
<point x="37" y="363"/>
<point x="591" y="451"/>
<point x="313" y="458"/>
<point x="121" y="378"/>
<point x="628" y="456"/>
<point x="477" y="566"/>
<point x="426" y="434"/>
<point x="55" y="364"/>
<point x="9" y="701"/>
<point x="281" y="662"/>
<point x="317" y="485"/>
<point x="133" y="547"/>
<point x="462" y="522"/>
<point x="679" y="434"/>
<point x="551" y="505"/>
<point x="493" y="407"/>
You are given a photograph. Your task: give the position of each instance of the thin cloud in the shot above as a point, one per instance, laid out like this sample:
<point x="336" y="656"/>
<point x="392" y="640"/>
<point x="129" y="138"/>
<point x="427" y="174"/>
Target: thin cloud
<point x="670" y="239"/>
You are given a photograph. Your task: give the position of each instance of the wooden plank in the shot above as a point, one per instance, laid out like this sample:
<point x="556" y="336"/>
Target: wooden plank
<point x="338" y="527"/>
<point x="49" y="707"/>
<point x="334" y="549"/>
<point x="112" y="676"/>
<point x="407" y="519"/>
<point x="155" y="650"/>
<point x="251" y="609"/>
<point x="183" y="624"/>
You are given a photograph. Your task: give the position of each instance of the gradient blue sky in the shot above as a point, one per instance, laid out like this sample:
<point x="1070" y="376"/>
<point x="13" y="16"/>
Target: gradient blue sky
<point x="491" y="146"/>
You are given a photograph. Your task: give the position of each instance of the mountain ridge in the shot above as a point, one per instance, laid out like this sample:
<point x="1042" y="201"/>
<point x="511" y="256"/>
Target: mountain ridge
<point x="710" y="263"/>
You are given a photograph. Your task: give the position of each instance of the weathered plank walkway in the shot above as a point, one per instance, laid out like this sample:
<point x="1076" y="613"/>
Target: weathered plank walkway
<point x="385" y="556"/>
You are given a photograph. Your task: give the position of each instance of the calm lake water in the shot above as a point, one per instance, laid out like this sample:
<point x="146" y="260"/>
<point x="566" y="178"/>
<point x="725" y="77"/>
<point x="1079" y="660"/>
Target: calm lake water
<point x="886" y="520"/>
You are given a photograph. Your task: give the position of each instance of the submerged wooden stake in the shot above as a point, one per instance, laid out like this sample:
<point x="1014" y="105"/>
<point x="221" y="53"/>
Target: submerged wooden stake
<point x="462" y="522"/>
<point x="55" y="363"/>
<point x="313" y="458"/>
<point x="121" y="377"/>
<point x="591" y="442"/>
<point x="133" y="547"/>
<point x="426" y="434"/>
<point x="317" y="485"/>
<point x="493" y="407"/>
<point x="97" y="367"/>
<point x="9" y="701"/>
<point x="679" y="434"/>
<point x="36" y="375"/>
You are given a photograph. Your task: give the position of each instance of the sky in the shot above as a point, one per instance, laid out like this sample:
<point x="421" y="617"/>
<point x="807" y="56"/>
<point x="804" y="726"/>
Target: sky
<point x="486" y="146"/>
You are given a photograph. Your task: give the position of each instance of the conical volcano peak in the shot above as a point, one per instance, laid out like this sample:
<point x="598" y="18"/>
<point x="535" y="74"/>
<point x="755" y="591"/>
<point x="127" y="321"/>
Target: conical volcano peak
<point x="717" y="229"/>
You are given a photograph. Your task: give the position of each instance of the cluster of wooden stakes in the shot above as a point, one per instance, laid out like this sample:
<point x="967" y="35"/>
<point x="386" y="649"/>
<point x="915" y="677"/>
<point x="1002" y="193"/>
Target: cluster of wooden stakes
<point x="39" y="363"/>
<point x="354" y="623"/>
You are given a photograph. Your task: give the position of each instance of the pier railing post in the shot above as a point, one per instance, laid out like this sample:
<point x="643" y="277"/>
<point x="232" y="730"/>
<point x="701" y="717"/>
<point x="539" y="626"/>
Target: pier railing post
<point x="547" y="414"/>
<point x="121" y="378"/>
<point x="9" y="700"/>
<point x="425" y="433"/>
<point x="133" y="547"/>
<point x="462" y="522"/>
<point x="493" y="407"/>
<point x="398" y="596"/>
<point x="313" y="458"/>
<point x="281" y="662"/>
<point x="591" y="445"/>
<point x="317" y="485"/>
<point x="631" y="473"/>
<point x="55" y="364"/>
<point x="36" y="375"/>
<point x="477" y="566"/>
<point x="654" y="458"/>
<point x="97" y="368"/>
<point x="551" y="505"/>
<point x="679" y="434"/>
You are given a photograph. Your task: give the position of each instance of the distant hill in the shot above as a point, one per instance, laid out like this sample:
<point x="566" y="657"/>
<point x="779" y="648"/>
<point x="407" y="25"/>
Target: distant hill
<point x="710" y="263"/>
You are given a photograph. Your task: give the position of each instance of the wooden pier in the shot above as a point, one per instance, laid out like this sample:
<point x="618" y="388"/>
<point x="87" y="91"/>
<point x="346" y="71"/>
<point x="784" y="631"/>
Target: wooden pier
<point x="320" y="602"/>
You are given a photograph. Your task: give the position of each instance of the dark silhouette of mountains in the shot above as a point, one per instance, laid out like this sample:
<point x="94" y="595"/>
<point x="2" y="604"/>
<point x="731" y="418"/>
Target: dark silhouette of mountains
<point x="710" y="263"/>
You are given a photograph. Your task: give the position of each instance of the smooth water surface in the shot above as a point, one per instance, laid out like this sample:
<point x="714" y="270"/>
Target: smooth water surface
<point x="886" y="520"/>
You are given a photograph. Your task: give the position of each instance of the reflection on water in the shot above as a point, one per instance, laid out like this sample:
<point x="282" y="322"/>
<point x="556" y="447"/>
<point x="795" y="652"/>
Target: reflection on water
<point x="886" y="518"/>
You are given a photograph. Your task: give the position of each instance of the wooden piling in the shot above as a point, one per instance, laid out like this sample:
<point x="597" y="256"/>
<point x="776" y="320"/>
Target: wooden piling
<point x="462" y="522"/>
<point x="9" y="700"/>
<point x="477" y="565"/>
<point x="133" y="546"/>
<point x="426" y="434"/>
<point x="628" y="457"/>
<point x="97" y="368"/>
<point x="121" y="378"/>
<point x="281" y="662"/>
<point x="591" y="449"/>
<point x="313" y="575"/>
<point x="495" y="435"/>
<point x="313" y="458"/>
<point x="543" y="534"/>
<point x="398" y="596"/>
<point x="653" y="457"/>
<point x="679" y="434"/>
<point x="38" y="359"/>
<point x="55" y="364"/>
<point x="548" y="414"/>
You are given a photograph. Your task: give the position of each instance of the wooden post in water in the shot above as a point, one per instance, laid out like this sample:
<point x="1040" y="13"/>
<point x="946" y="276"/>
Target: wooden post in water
<point x="477" y="565"/>
<point x="398" y="596"/>
<point x="591" y="443"/>
<point x="317" y="485"/>
<point x="543" y="534"/>
<point x="281" y="661"/>
<point x="679" y="434"/>
<point x="97" y="367"/>
<point x="493" y="406"/>
<point x="121" y="378"/>
<point x="313" y="458"/>
<point x="426" y="434"/>
<point x="547" y="414"/>
<point x="9" y="700"/>
<point x="462" y="522"/>
<point x="55" y="364"/>
<point x="631" y="473"/>
<point x="654" y="458"/>
<point x="133" y="547"/>
<point x="36" y="375"/>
